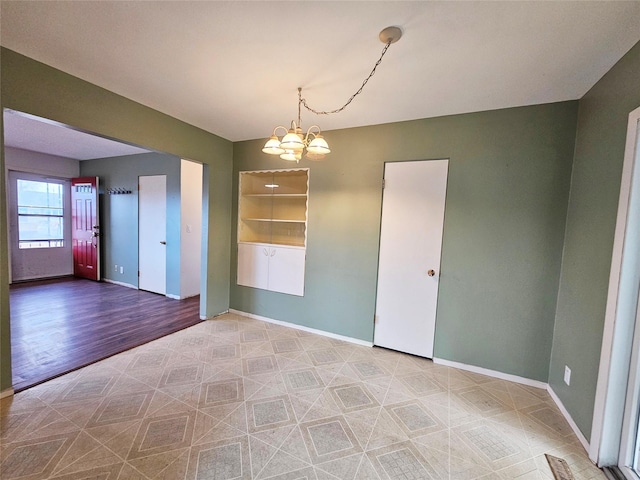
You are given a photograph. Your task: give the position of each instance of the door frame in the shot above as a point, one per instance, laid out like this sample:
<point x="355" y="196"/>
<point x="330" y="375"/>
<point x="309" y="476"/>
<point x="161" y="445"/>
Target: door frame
<point x="620" y="315"/>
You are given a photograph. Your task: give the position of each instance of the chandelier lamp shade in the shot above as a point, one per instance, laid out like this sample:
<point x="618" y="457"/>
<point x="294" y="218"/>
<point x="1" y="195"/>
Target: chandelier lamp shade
<point x="294" y="142"/>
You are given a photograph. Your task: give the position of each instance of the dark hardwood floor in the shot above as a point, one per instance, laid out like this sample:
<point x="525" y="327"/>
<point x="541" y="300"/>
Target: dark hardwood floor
<point x="60" y="325"/>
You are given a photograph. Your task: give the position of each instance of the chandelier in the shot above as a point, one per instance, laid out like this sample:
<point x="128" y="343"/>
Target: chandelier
<point x="293" y="143"/>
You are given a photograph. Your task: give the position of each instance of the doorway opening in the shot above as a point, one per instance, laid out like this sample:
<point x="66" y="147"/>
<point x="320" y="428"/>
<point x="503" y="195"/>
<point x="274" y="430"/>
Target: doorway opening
<point x="55" y="153"/>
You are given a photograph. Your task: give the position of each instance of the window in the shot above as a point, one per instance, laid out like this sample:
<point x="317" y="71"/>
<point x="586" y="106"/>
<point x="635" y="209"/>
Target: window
<point x="40" y="214"/>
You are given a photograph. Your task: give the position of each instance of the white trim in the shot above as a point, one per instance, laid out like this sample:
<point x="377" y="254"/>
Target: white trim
<point x="212" y="317"/>
<point x="568" y="418"/>
<point x="357" y="341"/>
<point x="178" y="297"/>
<point x="606" y="352"/>
<point x="122" y="284"/>
<point x="491" y="373"/>
<point x="522" y="381"/>
<point x="629" y="435"/>
<point x="7" y="393"/>
<point x="441" y="361"/>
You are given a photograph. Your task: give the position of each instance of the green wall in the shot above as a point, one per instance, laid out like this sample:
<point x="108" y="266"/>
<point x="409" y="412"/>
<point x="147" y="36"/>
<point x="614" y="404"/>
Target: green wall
<point x="32" y="87"/>
<point x="593" y="203"/>
<point x="119" y="213"/>
<point x="507" y="194"/>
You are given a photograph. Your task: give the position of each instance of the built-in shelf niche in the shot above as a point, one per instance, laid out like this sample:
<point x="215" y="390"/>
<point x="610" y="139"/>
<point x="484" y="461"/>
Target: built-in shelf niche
<point x="272" y="207"/>
<point x="272" y="229"/>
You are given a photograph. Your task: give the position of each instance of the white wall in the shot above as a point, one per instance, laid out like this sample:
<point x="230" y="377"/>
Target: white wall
<point x="42" y="163"/>
<point x="190" y="227"/>
<point x="31" y="264"/>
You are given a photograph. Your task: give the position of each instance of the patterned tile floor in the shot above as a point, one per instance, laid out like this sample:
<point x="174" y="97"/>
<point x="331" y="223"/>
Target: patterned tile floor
<point x="235" y="398"/>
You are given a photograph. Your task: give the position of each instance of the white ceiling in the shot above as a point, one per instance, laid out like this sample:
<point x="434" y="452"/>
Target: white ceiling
<point x="32" y="133"/>
<point x="233" y="68"/>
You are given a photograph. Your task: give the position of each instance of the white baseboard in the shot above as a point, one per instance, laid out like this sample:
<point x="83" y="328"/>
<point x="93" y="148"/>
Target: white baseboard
<point x="178" y="297"/>
<point x="523" y="381"/>
<point x="335" y="336"/>
<point x="448" y="363"/>
<point x="491" y="373"/>
<point x="567" y="416"/>
<point x="122" y="284"/>
<point x="204" y="317"/>
<point x="6" y="393"/>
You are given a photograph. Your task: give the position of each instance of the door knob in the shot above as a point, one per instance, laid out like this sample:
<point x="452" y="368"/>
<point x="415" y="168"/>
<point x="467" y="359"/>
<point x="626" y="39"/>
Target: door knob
<point x="431" y="272"/>
<point x="163" y="242"/>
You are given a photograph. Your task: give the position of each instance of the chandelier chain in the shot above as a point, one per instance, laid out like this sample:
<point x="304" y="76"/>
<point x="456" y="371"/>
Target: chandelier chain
<point x="302" y="101"/>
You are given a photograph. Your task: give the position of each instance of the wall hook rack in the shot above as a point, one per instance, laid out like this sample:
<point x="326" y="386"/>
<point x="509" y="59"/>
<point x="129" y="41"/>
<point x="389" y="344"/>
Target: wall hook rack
<point x="118" y="191"/>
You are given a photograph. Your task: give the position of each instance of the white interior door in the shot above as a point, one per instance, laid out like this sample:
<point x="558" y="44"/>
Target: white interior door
<point x="410" y="247"/>
<point x="152" y="233"/>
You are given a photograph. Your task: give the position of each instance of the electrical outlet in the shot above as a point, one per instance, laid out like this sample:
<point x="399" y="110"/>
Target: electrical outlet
<point x="115" y="268"/>
<point x="121" y="269"/>
<point x="567" y="375"/>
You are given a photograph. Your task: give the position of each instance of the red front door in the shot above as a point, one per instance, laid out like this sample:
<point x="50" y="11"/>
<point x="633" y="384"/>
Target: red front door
<point x="85" y="227"/>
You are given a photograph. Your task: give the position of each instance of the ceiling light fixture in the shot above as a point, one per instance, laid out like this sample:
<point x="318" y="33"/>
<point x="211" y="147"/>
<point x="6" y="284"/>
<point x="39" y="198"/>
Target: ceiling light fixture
<point x="293" y="143"/>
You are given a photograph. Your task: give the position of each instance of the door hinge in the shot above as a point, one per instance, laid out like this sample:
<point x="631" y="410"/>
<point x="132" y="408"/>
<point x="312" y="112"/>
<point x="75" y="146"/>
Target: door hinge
<point x="138" y="272"/>
<point x="383" y="182"/>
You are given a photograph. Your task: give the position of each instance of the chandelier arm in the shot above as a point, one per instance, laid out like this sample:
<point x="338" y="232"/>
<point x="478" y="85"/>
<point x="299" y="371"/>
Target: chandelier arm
<point x="302" y="101"/>
<point x="280" y="126"/>
<point x="309" y="133"/>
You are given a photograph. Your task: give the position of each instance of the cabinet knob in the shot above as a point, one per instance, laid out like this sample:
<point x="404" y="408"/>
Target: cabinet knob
<point x="431" y="273"/>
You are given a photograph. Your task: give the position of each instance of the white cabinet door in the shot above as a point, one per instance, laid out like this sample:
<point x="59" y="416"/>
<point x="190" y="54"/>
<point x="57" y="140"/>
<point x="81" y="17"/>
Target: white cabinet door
<point x="253" y="265"/>
<point x="286" y="270"/>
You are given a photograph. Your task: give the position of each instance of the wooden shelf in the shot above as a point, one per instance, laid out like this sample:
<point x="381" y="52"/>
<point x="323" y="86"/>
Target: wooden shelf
<point x="277" y="195"/>
<point x="299" y="246"/>
<point x="279" y="220"/>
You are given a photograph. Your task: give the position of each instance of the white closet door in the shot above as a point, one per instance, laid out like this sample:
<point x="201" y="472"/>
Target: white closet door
<point x="410" y="247"/>
<point x="152" y="233"/>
